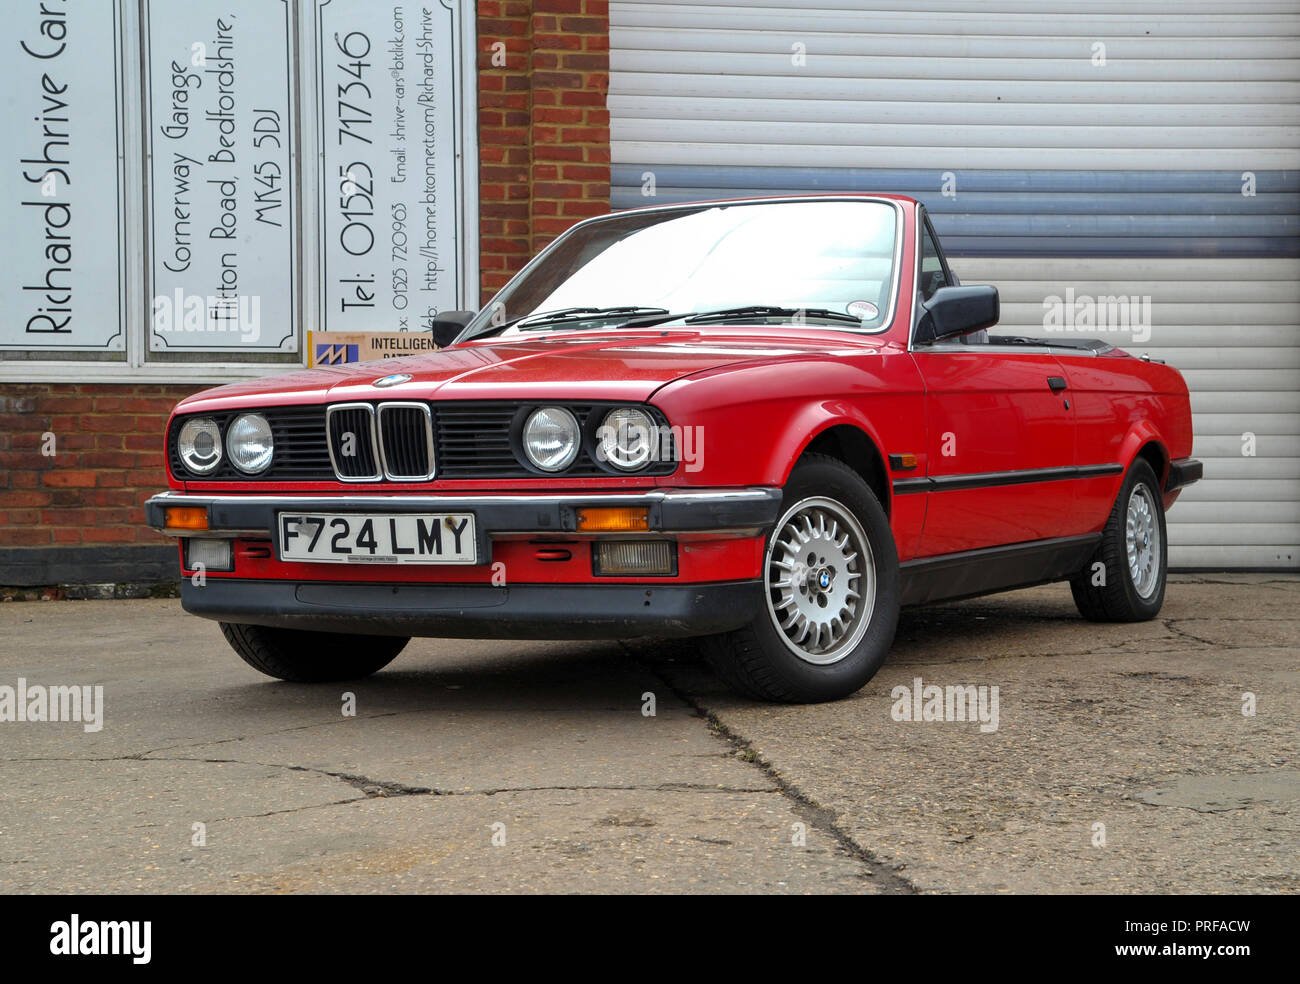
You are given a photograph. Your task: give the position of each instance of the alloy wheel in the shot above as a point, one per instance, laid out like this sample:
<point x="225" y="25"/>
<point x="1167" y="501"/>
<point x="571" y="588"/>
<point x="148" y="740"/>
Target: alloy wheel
<point x="1142" y="541"/>
<point x="821" y="580"/>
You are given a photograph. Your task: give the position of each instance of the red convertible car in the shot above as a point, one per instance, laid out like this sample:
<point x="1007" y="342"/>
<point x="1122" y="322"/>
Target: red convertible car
<point x="767" y="423"/>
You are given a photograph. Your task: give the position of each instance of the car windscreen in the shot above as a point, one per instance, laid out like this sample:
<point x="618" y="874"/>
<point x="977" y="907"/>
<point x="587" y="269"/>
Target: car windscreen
<point x="836" y="255"/>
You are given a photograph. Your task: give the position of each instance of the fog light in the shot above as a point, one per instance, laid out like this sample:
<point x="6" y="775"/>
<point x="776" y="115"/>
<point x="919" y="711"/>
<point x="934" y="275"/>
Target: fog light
<point x="614" y="520"/>
<point x="632" y="557"/>
<point x="214" y="555"/>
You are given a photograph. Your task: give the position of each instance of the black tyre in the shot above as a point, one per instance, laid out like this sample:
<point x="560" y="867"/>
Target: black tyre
<point x="311" y="657"/>
<point x="1124" y="581"/>
<point x="831" y="593"/>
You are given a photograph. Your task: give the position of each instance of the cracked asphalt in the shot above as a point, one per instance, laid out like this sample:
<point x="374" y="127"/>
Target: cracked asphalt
<point x="1122" y="761"/>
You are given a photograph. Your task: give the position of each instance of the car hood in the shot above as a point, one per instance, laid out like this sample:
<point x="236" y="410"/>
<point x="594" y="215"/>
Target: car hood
<point x="613" y="366"/>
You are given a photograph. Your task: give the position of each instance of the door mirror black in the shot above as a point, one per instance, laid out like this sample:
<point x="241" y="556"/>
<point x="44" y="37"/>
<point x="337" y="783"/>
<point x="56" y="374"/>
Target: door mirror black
<point x="956" y="311"/>
<point x="448" y="324"/>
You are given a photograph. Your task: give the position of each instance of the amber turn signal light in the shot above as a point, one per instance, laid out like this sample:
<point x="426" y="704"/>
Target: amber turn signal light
<point x="185" y="518"/>
<point x="614" y="520"/>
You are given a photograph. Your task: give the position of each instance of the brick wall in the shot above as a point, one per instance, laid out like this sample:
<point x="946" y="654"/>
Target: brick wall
<point x="76" y="464"/>
<point x="77" y="516"/>
<point x="543" y="126"/>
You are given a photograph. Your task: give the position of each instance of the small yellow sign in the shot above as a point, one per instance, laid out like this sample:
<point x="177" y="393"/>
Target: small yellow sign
<point x="336" y="348"/>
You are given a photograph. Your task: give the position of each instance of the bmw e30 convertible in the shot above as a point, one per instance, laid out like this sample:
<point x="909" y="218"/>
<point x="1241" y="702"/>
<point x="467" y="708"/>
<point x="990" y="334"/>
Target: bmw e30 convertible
<point x="767" y="423"/>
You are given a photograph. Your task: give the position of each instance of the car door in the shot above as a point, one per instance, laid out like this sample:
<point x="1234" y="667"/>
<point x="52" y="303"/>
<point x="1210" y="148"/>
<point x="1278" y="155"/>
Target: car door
<point x="1000" y="435"/>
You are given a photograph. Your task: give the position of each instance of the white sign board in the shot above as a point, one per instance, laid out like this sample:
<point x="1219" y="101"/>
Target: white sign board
<point x="62" y="211"/>
<point x="157" y="218"/>
<point x="221" y="205"/>
<point x="390" y="111"/>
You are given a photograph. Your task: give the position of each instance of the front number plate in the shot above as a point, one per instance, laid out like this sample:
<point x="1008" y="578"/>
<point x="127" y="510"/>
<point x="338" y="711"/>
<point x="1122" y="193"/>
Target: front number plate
<point x="362" y="538"/>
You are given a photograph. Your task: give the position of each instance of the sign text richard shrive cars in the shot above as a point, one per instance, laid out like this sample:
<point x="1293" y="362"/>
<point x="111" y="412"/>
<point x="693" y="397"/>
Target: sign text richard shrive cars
<point x="61" y="202"/>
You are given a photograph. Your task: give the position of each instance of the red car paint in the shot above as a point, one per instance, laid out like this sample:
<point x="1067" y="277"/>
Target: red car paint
<point x="760" y="395"/>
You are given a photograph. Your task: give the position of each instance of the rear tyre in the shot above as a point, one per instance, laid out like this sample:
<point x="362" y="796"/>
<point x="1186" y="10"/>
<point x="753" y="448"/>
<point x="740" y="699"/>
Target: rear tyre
<point x="831" y="595"/>
<point x="311" y="657"/>
<point x="1124" y="581"/>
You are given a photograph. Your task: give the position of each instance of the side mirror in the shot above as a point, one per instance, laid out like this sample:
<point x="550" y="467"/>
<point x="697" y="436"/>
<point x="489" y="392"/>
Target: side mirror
<point x="956" y="311"/>
<point x="447" y="325"/>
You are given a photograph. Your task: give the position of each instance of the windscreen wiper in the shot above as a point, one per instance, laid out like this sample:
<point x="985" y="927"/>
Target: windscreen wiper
<point x="563" y="315"/>
<point x="747" y="311"/>
<point x="770" y="311"/>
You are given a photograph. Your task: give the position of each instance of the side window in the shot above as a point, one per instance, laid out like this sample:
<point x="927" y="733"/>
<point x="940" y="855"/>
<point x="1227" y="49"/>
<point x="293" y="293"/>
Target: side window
<point x="933" y="269"/>
<point x="935" y="274"/>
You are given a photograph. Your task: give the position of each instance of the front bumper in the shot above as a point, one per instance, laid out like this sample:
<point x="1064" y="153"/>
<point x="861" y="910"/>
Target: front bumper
<point x="481" y="611"/>
<point x="741" y="511"/>
<point x="403" y="602"/>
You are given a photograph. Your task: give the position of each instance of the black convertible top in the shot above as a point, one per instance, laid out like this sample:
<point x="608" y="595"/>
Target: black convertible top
<point x="1084" y="344"/>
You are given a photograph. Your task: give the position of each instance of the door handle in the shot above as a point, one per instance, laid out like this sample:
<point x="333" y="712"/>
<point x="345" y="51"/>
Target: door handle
<point x="1056" y="383"/>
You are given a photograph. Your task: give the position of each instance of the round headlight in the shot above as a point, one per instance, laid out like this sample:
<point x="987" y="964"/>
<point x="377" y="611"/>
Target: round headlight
<point x="249" y="443"/>
<point x="551" y="438"/>
<point x="199" y="445"/>
<point x="627" y="438"/>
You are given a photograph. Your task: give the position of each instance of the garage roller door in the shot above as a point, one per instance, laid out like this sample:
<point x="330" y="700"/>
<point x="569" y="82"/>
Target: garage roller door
<point x="1143" y="149"/>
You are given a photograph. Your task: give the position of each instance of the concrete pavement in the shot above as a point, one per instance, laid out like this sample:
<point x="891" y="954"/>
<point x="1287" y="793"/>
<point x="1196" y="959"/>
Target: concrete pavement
<point x="1122" y="761"/>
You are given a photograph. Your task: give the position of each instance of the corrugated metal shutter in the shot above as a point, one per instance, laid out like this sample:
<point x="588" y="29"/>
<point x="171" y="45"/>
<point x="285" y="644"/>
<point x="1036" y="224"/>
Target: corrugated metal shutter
<point x="1122" y="178"/>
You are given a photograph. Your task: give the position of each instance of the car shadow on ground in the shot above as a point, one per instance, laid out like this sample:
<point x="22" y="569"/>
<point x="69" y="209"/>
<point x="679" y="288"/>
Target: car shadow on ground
<point x="571" y="673"/>
<point x="433" y="674"/>
<point x="524" y="674"/>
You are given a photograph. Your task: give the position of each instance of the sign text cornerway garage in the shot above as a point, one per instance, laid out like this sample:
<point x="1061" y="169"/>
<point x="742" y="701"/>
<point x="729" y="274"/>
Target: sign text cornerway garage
<point x="221" y="176"/>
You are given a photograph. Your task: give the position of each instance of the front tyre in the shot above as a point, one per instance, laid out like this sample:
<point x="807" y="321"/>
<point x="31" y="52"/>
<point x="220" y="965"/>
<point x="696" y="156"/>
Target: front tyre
<point x="311" y="657"/>
<point x="1124" y="581"/>
<point x="831" y="594"/>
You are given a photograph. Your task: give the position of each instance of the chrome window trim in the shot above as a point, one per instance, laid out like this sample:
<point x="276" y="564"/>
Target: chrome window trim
<point x="374" y="441"/>
<point x="389" y="474"/>
<point x="959" y="348"/>
<point x="947" y="346"/>
<point x="484" y="317"/>
<point x="916" y="280"/>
